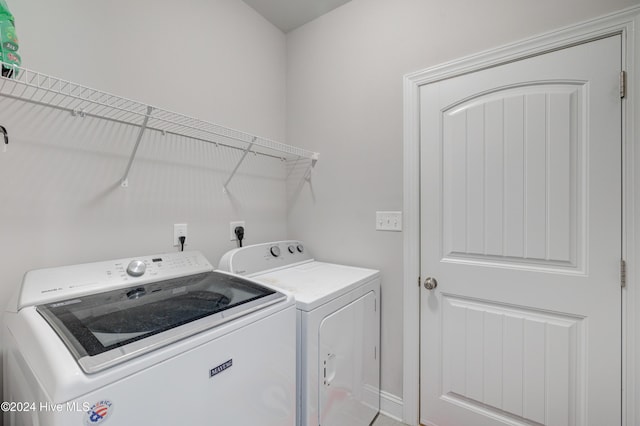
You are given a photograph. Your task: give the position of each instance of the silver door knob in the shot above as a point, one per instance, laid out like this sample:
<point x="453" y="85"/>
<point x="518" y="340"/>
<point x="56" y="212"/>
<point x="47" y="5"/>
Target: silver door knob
<point x="430" y="283"/>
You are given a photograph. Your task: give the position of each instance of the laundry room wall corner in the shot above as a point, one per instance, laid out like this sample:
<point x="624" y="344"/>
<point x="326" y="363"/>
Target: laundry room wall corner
<point x="60" y="194"/>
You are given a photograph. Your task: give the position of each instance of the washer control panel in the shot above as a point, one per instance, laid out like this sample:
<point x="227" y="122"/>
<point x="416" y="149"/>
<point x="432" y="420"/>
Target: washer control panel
<point x="46" y="285"/>
<point x="261" y="257"/>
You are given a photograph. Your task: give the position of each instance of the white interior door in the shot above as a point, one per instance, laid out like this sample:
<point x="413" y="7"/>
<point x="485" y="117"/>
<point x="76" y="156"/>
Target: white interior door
<point x="521" y="228"/>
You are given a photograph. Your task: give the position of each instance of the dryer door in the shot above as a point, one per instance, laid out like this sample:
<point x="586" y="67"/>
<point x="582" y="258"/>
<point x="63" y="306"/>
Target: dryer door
<point x="349" y="357"/>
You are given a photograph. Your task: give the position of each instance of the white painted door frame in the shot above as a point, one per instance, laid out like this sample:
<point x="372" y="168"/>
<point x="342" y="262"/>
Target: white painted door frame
<point x="626" y="23"/>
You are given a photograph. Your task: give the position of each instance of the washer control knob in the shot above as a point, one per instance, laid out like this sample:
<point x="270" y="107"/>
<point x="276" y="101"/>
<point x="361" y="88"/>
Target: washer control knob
<point x="300" y="248"/>
<point x="275" y="251"/>
<point x="291" y="249"/>
<point x="136" y="268"/>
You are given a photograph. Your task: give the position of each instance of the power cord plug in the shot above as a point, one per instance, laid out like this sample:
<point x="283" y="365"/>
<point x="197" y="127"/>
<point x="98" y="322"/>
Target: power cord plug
<point x="239" y="231"/>
<point x="3" y="130"/>
<point x="182" y="239"/>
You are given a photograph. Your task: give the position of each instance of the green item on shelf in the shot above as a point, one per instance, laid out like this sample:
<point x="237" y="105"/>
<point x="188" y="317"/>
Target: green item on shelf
<point x="8" y="42"/>
<point x="4" y="11"/>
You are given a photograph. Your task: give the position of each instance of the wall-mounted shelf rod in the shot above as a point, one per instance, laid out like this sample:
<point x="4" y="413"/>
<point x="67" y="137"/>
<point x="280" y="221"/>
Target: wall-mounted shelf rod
<point x="41" y="89"/>
<point x="149" y="128"/>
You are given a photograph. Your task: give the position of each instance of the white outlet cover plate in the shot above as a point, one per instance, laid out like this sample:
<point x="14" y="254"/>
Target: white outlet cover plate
<point x="179" y="230"/>
<point x="389" y="221"/>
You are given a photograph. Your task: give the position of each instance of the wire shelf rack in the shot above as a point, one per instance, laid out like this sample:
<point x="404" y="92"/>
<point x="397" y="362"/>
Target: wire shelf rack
<point x="35" y="87"/>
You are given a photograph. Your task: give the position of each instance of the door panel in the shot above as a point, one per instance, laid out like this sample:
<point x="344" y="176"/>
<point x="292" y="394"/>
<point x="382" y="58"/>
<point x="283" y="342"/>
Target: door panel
<point x="515" y="360"/>
<point x="517" y="203"/>
<point x="521" y="226"/>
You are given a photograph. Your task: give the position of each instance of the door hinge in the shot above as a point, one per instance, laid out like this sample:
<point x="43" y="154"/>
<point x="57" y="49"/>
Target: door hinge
<point x="623" y="273"/>
<point x="418" y="281"/>
<point x="623" y="84"/>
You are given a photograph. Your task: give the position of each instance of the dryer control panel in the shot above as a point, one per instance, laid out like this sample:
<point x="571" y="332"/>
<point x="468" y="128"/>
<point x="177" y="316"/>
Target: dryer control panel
<point x="263" y="257"/>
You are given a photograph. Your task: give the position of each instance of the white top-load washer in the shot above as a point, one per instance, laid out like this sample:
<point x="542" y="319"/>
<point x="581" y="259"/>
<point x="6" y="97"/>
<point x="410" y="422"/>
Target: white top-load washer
<point x="156" y="340"/>
<point x="338" y="326"/>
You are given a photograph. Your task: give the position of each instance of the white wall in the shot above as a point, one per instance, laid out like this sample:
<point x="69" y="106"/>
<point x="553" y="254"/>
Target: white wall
<point x="345" y="100"/>
<point x="60" y="199"/>
<point x="216" y="60"/>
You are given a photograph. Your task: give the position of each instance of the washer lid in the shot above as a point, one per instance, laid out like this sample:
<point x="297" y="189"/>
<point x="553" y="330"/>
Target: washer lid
<point x="104" y="329"/>
<point x="316" y="283"/>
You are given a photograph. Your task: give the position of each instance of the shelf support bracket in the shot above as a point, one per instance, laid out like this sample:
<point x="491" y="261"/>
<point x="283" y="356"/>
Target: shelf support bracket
<point x="312" y="165"/>
<point x="124" y="182"/>
<point x="244" y="155"/>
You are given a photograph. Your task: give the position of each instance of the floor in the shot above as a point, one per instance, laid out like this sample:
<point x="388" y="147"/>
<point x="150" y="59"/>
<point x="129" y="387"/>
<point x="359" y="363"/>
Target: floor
<point x="383" y="420"/>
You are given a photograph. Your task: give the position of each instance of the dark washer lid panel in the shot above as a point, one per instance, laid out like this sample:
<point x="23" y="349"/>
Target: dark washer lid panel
<point x="94" y="325"/>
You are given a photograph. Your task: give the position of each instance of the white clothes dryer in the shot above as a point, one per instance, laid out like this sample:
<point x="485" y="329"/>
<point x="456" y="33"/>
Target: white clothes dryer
<point x="338" y="328"/>
<point x="156" y="340"/>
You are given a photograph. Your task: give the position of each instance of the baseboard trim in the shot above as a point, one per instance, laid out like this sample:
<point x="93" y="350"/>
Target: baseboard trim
<point x="391" y="406"/>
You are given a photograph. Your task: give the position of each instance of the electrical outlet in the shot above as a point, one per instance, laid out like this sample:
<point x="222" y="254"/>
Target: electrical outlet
<point x="232" y="229"/>
<point x="179" y="230"/>
<point x="389" y="221"/>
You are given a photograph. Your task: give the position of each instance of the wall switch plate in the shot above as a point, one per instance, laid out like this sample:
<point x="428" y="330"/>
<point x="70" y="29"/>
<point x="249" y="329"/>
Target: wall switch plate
<point x="389" y="221"/>
<point x="179" y="230"/>
<point x="232" y="229"/>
